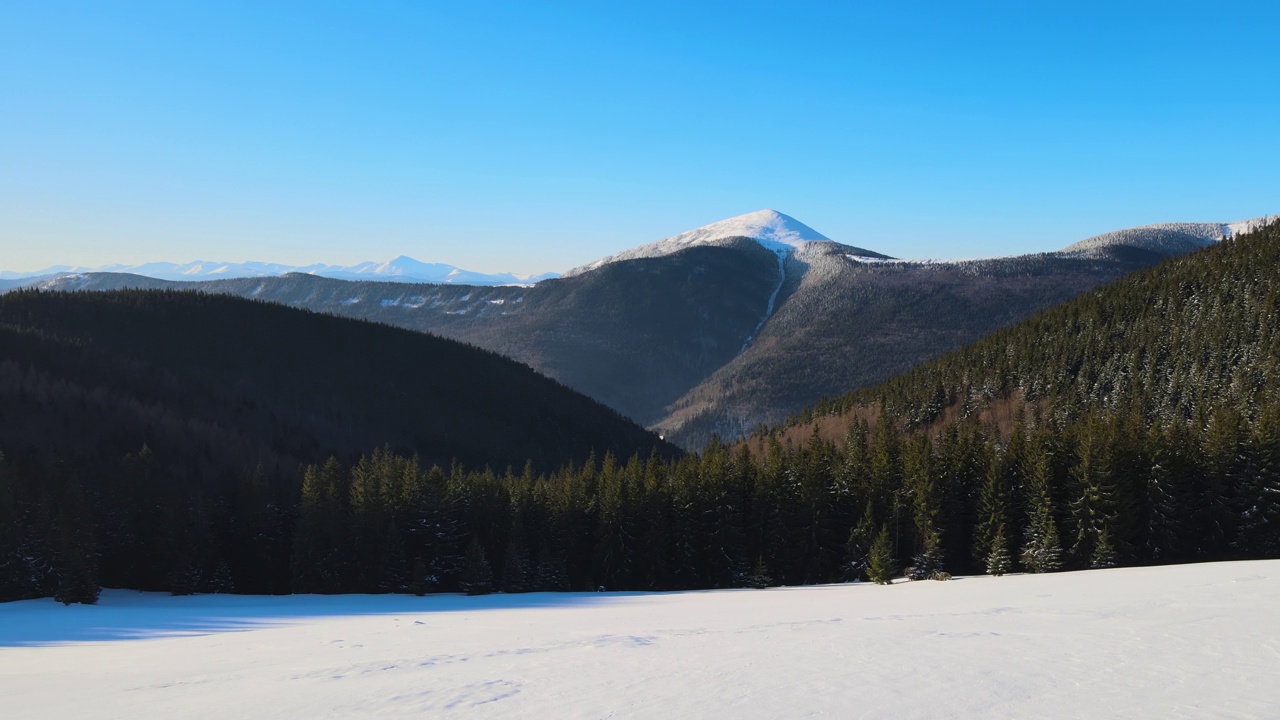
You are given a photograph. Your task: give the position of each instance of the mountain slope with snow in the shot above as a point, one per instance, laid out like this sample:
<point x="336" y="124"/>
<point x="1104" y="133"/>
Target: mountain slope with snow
<point x="773" y="230"/>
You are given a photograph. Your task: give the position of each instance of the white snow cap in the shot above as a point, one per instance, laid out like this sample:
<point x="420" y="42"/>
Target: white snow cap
<point x="770" y="228"/>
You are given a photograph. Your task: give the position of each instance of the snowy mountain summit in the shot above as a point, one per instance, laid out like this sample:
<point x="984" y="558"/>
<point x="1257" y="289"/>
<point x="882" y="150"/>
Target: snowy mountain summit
<point x="775" y="231"/>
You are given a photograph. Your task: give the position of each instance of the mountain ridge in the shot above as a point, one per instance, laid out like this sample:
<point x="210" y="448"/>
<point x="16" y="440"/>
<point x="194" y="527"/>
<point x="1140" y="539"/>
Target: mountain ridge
<point x="399" y="269"/>
<point x="1168" y="238"/>
<point x="724" y="333"/>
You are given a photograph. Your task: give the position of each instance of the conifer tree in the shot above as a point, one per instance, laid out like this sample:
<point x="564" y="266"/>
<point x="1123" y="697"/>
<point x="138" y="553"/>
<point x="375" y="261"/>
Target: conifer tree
<point x="921" y="479"/>
<point x="1042" y="549"/>
<point x="611" y="555"/>
<point x="37" y="551"/>
<point x="759" y="577"/>
<point x="927" y="564"/>
<point x="999" y="562"/>
<point x="551" y="575"/>
<point x="1104" y="555"/>
<point x="75" y="580"/>
<point x="419" y="583"/>
<point x="320" y="535"/>
<point x="993" y="504"/>
<point x="12" y="580"/>
<point x="1093" y="511"/>
<point x="1225" y="467"/>
<point x="184" y="575"/>
<point x="858" y="548"/>
<point x="1259" y="532"/>
<point x="1165" y="496"/>
<point x="516" y="568"/>
<point x="221" y="581"/>
<point x="394" y="571"/>
<point x="437" y="530"/>
<point x="76" y="577"/>
<point x="477" y="578"/>
<point x="881" y="566"/>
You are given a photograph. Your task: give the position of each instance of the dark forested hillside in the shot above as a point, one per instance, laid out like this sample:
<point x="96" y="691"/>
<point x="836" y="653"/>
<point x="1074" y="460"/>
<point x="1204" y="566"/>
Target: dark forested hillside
<point x="146" y="433"/>
<point x="246" y="381"/>
<point x="1174" y="342"/>
<point x="634" y="335"/>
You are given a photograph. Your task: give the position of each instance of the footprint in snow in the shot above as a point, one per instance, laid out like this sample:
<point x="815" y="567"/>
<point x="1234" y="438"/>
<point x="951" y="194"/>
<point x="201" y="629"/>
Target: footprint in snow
<point x="483" y="694"/>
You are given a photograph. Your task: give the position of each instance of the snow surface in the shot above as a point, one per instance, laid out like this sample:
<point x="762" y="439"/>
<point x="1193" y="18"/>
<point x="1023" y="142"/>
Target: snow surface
<point x="770" y="228"/>
<point x="1183" y="641"/>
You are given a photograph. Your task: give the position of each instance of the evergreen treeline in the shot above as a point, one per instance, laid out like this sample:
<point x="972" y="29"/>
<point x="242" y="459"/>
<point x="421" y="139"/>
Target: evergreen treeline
<point x="1105" y="489"/>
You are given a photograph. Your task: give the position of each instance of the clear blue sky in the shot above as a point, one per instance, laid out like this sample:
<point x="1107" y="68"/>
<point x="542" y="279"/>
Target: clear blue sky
<point x="538" y="136"/>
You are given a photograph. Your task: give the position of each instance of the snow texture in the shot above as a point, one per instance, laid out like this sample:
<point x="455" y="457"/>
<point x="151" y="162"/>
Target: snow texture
<point x="1198" y="641"/>
<point x="770" y="228"/>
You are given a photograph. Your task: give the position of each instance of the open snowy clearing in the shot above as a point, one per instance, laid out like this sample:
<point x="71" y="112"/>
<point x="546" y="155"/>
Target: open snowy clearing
<point x="1187" y="641"/>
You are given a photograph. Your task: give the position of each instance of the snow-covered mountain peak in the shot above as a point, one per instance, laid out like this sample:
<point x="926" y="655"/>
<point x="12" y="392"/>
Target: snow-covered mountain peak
<point x="769" y="227"/>
<point x="772" y="229"/>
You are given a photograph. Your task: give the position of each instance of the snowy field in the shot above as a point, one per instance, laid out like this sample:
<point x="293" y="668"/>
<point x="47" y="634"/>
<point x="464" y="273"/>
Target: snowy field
<point x="1191" y="641"/>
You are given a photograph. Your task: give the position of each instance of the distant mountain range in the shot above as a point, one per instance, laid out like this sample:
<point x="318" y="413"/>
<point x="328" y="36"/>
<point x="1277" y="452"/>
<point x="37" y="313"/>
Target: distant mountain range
<point x="736" y="324"/>
<point x="401" y="269"/>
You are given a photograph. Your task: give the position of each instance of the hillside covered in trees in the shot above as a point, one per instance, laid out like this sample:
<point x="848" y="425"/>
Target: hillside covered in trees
<point x="241" y="382"/>
<point x="1147" y="431"/>
<point x="1100" y="469"/>
<point x="1174" y="342"/>
<point x="120" y="413"/>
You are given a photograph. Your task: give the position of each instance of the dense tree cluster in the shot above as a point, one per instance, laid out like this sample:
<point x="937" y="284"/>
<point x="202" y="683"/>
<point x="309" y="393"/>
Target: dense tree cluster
<point x="1175" y="341"/>
<point x="1099" y="491"/>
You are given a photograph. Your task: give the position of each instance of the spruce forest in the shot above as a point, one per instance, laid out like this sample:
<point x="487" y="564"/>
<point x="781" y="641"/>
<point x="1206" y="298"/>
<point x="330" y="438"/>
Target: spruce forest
<point x="1147" y="431"/>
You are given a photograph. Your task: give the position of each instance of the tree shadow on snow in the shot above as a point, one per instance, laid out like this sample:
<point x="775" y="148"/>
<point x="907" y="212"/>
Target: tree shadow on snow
<point x="131" y="615"/>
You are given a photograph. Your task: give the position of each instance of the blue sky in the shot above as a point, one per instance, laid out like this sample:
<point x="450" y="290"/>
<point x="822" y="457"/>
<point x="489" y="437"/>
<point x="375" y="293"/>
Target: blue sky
<point x="528" y="137"/>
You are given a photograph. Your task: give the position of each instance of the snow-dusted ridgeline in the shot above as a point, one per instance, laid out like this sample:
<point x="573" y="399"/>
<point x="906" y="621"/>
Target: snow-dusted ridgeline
<point x="773" y="230"/>
<point x="1197" y="641"/>
<point x="1169" y="238"/>
<point x="401" y="269"/>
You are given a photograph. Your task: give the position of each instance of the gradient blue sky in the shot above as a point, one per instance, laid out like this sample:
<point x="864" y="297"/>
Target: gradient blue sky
<point x="527" y="136"/>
